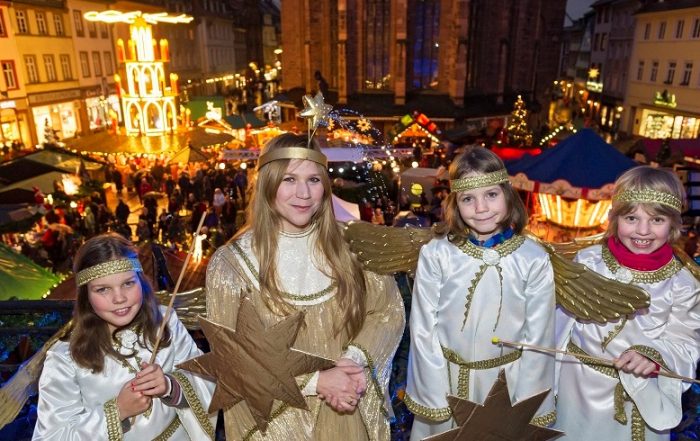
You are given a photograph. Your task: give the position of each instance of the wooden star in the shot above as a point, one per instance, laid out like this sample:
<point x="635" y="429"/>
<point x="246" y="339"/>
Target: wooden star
<point x="496" y="419"/>
<point x="255" y="364"/>
<point x="316" y="109"/>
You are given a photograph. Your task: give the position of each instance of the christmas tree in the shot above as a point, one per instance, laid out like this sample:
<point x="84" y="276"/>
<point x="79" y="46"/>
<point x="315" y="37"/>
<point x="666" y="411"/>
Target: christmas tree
<point x="519" y="133"/>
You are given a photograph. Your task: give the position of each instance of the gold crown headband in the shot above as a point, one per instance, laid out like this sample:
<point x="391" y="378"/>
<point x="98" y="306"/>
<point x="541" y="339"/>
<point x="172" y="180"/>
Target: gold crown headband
<point x="107" y="269"/>
<point x="649" y="196"/>
<point x="485" y="180"/>
<point x="293" y="153"/>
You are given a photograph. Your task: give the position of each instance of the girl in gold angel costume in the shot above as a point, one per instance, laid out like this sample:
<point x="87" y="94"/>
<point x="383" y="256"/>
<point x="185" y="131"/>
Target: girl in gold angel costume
<point x="627" y="400"/>
<point x="291" y="256"/>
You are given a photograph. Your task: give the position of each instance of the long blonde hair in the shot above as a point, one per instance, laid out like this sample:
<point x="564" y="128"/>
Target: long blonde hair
<point x="644" y="177"/>
<point x="480" y="160"/>
<point x="263" y="221"/>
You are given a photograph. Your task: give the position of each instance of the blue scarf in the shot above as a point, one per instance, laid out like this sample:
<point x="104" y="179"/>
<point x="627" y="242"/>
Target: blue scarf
<point x="494" y="240"/>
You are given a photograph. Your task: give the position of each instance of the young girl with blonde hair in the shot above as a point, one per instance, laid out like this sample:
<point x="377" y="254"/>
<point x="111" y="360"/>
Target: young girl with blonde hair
<point x="627" y="400"/>
<point x="478" y="279"/>
<point x="291" y="256"/>
<point x="96" y="384"/>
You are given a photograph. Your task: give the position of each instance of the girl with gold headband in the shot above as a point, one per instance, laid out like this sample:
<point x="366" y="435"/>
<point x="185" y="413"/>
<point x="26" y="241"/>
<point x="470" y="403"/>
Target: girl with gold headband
<point x="629" y="401"/>
<point x="291" y="256"/>
<point x="479" y="279"/>
<point x="95" y="384"/>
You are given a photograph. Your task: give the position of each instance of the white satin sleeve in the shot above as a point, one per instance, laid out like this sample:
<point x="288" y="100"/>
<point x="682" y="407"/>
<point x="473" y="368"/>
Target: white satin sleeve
<point x="62" y="416"/>
<point x="674" y="333"/>
<point x="427" y="382"/>
<point x="534" y="370"/>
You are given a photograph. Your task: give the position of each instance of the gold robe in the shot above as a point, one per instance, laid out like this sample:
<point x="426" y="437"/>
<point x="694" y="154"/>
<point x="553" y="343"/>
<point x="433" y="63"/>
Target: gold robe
<point x="233" y="270"/>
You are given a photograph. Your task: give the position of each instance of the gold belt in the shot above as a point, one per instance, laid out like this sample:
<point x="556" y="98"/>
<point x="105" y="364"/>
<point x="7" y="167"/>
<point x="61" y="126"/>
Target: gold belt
<point x="465" y="366"/>
<point x="638" y="430"/>
<point x="169" y="431"/>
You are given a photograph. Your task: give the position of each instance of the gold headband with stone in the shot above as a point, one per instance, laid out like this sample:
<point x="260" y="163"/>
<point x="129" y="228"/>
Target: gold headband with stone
<point x="485" y="180"/>
<point x="649" y="196"/>
<point x="293" y="153"/>
<point x="107" y="269"/>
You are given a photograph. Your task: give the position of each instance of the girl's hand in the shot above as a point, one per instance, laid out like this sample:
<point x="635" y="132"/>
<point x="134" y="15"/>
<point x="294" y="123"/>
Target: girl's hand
<point x="632" y="362"/>
<point x="359" y="377"/>
<point x="338" y="389"/>
<point x="130" y="402"/>
<point x="150" y="381"/>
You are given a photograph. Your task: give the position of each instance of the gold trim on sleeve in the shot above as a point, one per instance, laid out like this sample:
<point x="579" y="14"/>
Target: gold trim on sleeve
<point x="650" y="353"/>
<point x="545" y="420"/>
<point x="170" y="430"/>
<point x="372" y="373"/>
<point x="439" y="415"/>
<point x="114" y="424"/>
<point x="194" y="402"/>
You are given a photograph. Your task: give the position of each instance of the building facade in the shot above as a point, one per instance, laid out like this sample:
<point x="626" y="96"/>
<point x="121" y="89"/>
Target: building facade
<point x="663" y="90"/>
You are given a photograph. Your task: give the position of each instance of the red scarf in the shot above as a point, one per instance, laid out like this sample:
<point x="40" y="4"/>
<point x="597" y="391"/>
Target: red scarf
<point x="640" y="262"/>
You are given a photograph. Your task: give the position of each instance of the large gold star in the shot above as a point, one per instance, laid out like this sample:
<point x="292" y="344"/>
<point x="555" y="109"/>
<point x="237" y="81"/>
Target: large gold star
<point x="255" y="364"/>
<point x="316" y="109"/>
<point x="496" y="419"/>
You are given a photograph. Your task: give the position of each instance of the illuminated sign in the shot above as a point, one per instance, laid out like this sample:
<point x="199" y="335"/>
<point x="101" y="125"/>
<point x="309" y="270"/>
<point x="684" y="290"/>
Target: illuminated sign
<point x="665" y="99"/>
<point x="594" y="86"/>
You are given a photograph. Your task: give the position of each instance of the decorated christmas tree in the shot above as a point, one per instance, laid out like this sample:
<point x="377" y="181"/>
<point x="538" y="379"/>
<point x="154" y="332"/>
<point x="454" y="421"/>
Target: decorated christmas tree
<point x="519" y="133"/>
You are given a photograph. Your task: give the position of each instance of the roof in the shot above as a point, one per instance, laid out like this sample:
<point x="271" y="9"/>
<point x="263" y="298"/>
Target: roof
<point x="668" y="5"/>
<point x="578" y="164"/>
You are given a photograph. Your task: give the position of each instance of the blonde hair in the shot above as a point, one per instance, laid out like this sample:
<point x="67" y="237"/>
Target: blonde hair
<point x="263" y="220"/>
<point x="642" y="178"/>
<point x="479" y="160"/>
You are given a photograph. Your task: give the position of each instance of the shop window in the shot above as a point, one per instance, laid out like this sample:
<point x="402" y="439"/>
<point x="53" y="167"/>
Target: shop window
<point x="9" y="74"/>
<point x="66" y="68"/>
<point x="97" y="64"/>
<point x="84" y="64"/>
<point x="654" y="71"/>
<point x="41" y="23"/>
<point x="50" y="67"/>
<point x="662" y="30"/>
<point x="671" y="72"/>
<point x="32" y="71"/>
<point x="679" y="28"/>
<point x="687" y="73"/>
<point x="58" y="24"/>
<point x="640" y="70"/>
<point x="78" y="21"/>
<point x="21" y="17"/>
<point x="3" y="30"/>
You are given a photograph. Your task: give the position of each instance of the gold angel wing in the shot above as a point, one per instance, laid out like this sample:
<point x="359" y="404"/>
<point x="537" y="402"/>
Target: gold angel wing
<point x="189" y="305"/>
<point x="585" y="293"/>
<point x="386" y="250"/>
<point x="687" y="261"/>
<point x="569" y="249"/>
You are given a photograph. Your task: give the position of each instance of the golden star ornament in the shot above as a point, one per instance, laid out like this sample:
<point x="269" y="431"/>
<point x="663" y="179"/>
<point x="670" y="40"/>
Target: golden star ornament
<point x="255" y="364"/>
<point x="316" y="109"/>
<point x="496" y="419"/>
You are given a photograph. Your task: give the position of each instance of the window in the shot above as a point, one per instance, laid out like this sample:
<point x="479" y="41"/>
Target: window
<point x="671" y="72"/>
<point x="104" y="32"/>
<point x="647" y="31"/>
<point x="696" y="28"/>
<point x="50" y="67"/>
<point x="97" y="63"/>
<point x="109" y="66"/>
<point x="92" y="29"/>
<point x="41" y="23"/>
<point x="22" y="27"/>
<point x="377" y="44"/>
<point x="78" y="19"/>
<point x="687" y="73"/>
<point x="32" y="73"/>
<point x="654" y="71"/>
<point x="3" y="30"/>
<point x="662" y="30"/>
<point x="679" y="28"/>
<point x="596" y="41"/>
<point x="640" y="70"/>
<point x="58" y="24"/>
<point x="603" y="41"/>
<point x="65" y="67"/>
<point x="9" y="73"/>
<point x="85" y="64"/>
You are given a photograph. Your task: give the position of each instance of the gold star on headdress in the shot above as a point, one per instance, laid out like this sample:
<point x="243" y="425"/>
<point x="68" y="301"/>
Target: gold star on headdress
<point x="315" y="109"/>
<point x="255" y="364"/>
<point x="496" y="419"/>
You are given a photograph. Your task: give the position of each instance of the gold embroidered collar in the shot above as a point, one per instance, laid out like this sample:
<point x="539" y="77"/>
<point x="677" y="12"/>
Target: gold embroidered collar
<point x="646" y="277"/>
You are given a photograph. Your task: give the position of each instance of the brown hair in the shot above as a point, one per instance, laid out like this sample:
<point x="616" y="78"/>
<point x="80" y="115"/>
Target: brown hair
<point x="90" y="339"/>
<point x="644" y="177"/>
<point x="479" y="160"/>
<point x="264" y="222"/>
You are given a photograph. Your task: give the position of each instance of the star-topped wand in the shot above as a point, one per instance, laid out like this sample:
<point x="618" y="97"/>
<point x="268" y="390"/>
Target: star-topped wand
<point x="316" y="111"/>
